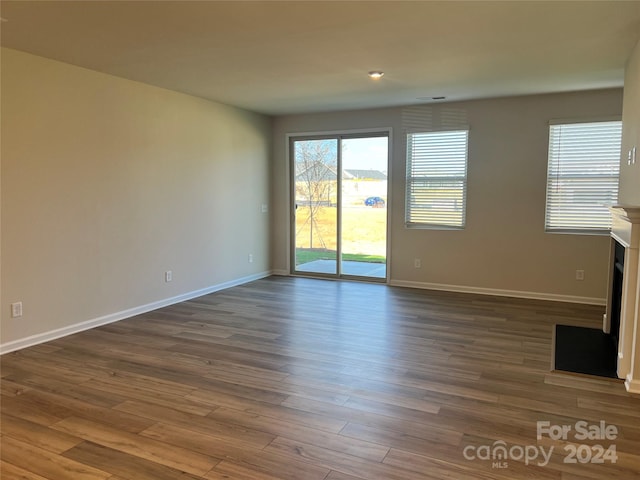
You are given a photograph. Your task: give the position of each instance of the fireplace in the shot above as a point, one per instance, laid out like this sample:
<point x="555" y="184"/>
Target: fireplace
<point x="612" y="326"/>
<point x="623" y="299"/>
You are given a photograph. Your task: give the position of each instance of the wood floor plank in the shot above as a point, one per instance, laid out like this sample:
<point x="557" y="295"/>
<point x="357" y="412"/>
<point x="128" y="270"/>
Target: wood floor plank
<point x="342" y="462"/>
<point x="301" y="379"/>
<point x="213" y="444"/>
<point x="281" y="393"/>
<point x="25" y="367"/>
<point x="83" y="392"/>
<point x="62" y="407"/>
<point x="11" y="472"/>
<point x="37" y="435"/>
<point x="232" y="471"/>
<point x="9" y="388"/>
<point x="418" y="424"/>
<point x="132" y="389"/>
<point x="266" y="467"/>
<point x="45" y="463"/>
<point x="449" y="467"/>
<point x="235" y="455"/>
<point x="122" y="464"/>
<point x="35" y="409"/>
<point x="225" y="431"/>
<point x="333" y="475"/>
<point x="148" y="449"/>
<point x="282" y="412"/>
<point x="394" y="438"/>
<point x="276" y="427"/>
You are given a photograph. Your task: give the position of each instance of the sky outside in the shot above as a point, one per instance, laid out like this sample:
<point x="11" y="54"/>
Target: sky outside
<point x="365" y="153"/>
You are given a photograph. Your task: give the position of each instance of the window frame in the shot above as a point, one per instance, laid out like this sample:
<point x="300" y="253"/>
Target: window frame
<point x="411" y="180"/>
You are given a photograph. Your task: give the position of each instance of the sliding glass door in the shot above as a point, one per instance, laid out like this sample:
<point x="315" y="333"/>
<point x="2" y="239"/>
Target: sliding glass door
<point x="339" y="210"/>
<point x="364" y="206"/>
<point x="315" y="205"/>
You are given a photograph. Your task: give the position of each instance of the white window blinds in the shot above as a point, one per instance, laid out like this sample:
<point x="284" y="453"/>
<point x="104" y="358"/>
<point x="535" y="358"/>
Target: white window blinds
<point x="582" y="176"/>
<point x="436" y="184"/>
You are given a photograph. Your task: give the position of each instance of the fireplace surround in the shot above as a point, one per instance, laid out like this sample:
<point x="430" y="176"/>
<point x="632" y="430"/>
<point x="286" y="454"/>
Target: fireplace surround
<point x="625" y="232"/>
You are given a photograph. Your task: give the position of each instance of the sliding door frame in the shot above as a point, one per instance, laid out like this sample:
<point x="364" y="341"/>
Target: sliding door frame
<point x="338" y="135"/>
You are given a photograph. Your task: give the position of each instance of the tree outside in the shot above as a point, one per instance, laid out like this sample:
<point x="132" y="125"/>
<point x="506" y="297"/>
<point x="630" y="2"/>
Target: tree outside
<point x="316" y="184"/>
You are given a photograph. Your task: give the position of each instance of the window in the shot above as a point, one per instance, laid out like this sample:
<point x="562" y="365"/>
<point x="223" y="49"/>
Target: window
<point x="582" y="176"/>
<point x="436" y="179"/>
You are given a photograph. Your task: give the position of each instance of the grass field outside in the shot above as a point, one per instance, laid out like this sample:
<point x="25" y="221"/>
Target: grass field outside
<point x="364" y="234"/>
<point x="305" y="255"/>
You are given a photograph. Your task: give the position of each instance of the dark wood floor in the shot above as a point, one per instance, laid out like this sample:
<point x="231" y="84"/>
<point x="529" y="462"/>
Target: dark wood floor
<point x="293" y="378"/>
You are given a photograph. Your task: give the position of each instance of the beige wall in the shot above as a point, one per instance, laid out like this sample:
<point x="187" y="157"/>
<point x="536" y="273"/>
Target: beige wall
<point x="504" y="246"/>
<point x="630" y="174"/>
<point x="107" y="183"/>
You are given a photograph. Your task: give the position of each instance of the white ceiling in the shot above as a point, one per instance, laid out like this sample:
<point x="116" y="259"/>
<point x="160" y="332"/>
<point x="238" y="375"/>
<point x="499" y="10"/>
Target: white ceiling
<point x="305" y="56"/>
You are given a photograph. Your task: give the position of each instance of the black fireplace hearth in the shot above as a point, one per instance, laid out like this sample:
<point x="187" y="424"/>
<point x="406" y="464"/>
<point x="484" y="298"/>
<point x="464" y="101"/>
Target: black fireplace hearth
<point x="584" y="350"/>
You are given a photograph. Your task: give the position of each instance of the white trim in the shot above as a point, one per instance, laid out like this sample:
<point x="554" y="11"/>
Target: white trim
<point x="499" y="292"/>
<point x="281" y="273"/>
<point x="390" y="162"/>
<point x="322" y="133"/>
<point x="115" y="317"/>
<point x="632" y="386"/>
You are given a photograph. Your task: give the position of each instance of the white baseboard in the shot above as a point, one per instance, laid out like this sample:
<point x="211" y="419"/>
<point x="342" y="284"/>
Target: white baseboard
<point x="281" y="273"/>
<point x="632" y="386"/>
<point x="114" y="317"/>
<point x="499" y="293"/>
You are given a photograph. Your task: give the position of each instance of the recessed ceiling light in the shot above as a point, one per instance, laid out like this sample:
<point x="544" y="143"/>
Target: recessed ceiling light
<point x="376" y="74"/>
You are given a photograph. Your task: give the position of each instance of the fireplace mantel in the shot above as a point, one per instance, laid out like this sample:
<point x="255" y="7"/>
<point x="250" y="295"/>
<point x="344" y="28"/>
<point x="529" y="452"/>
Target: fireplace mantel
<point x="626" y="230"/>
<point x="626" y="225"/>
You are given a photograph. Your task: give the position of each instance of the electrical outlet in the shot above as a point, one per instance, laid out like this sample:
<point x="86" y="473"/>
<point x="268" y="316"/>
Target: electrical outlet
<point x="417" y="263"/>
<point x="16" y="310"/>
<point x="580" y="275"/>
<point x="265" y="208"/>
<point x="251" y="258"/>
<point x="168" y="276"/>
